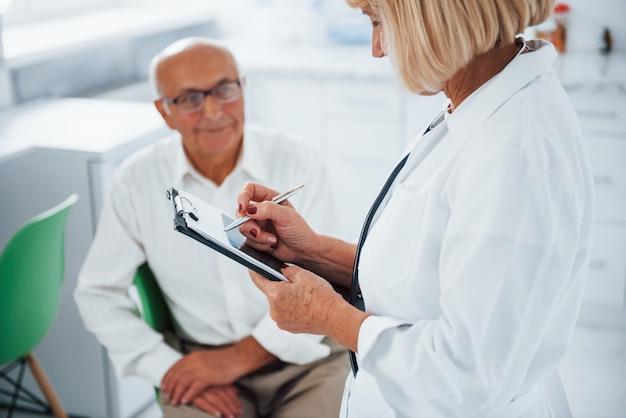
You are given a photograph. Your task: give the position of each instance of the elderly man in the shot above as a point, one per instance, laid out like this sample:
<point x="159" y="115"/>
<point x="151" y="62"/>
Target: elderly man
<point x="226" y="357"/>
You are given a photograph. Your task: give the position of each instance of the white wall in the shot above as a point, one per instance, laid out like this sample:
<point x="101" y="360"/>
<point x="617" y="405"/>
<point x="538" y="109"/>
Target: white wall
<point x="306" y="21"/>
<point x="6" y="92"/>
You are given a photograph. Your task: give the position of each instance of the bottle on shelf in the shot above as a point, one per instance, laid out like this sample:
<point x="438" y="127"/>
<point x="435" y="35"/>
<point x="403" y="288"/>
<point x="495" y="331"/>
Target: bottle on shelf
<point x="555" y="28"/>
<point x="607" y="42"/>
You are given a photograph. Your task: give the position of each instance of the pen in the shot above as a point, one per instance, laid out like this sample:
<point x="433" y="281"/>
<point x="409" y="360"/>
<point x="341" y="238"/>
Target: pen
<point x="276" y="199"/>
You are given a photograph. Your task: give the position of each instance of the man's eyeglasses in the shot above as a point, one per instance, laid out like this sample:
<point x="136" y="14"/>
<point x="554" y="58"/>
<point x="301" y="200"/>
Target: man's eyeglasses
<point x="194" y="100"/>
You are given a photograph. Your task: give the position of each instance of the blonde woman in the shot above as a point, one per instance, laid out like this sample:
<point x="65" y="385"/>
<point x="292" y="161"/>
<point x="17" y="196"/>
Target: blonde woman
<point x="472" y="263"/>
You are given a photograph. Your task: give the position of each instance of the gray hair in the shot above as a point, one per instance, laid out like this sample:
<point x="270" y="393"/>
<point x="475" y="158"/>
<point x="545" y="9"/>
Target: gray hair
<point x="175" y="48"/>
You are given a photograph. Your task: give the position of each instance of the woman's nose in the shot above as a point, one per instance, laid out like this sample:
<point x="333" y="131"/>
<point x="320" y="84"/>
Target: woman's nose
<point x="377" y="51"/>
<point x="377" y="44"/>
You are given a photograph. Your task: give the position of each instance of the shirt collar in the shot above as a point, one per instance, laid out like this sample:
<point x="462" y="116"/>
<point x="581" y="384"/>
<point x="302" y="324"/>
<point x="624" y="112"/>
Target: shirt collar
<point x="515" y="76"/>
<point x="249" y="161"/>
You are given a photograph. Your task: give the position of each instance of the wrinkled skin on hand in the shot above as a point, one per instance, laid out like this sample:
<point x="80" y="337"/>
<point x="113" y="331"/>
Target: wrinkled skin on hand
<point x="302" y="305"/>
<point x="205" y="379"/>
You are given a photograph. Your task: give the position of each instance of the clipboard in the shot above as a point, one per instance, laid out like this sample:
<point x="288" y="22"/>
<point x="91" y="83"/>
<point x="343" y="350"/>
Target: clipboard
<point x="205" y="223"/>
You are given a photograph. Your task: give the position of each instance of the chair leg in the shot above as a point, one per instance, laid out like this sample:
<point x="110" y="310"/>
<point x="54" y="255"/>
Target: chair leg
<point x="18" y="393"/>
<point x="15" y="395"/>
<point x="45" y="386"/>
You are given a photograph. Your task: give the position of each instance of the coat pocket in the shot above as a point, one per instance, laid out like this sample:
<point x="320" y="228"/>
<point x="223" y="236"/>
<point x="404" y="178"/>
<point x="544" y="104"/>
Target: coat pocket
<point x="390" y="250"/>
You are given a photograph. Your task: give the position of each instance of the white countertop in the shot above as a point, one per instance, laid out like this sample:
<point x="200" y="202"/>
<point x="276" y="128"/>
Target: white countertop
<point x="91" y="126"/>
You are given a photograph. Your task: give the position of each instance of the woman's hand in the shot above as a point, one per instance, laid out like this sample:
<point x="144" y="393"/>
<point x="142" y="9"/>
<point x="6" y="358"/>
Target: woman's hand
<point x="303" y="304"/>
<point x="308" y="303"/>
<point x="277" y="228"/>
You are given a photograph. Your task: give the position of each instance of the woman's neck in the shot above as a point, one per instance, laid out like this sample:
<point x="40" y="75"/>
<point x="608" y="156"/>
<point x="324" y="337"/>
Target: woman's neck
<point x="480" y="70"/>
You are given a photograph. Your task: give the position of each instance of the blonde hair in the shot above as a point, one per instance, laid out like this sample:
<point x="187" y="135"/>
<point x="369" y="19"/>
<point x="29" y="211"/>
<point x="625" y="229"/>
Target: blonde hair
<point x="430" y="40"/>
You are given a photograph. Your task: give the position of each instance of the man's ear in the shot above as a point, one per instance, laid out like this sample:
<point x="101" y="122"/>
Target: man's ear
<point x="164" y="113"/>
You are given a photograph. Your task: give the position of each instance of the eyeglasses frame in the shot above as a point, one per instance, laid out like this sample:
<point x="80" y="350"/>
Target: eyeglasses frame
<point x="205" y="93"/>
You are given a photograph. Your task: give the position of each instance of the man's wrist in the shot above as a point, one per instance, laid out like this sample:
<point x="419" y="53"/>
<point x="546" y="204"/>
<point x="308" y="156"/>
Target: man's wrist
<point x="249" y="356"/>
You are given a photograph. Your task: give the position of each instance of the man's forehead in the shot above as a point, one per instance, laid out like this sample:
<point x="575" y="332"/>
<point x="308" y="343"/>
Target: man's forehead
<point x="201" y="55"/>
<point x="203" y="65"/>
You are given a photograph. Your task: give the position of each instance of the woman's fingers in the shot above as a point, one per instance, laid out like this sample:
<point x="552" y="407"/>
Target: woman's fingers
<point x="263" y="283"/>
<point x="266" y="218"/>
<point x="253" y="192"/>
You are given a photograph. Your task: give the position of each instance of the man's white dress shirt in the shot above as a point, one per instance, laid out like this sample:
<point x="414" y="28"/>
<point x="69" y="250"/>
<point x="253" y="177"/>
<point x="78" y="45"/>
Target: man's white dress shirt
<point x="212" y="298"/>
<point x="475" y="267"/>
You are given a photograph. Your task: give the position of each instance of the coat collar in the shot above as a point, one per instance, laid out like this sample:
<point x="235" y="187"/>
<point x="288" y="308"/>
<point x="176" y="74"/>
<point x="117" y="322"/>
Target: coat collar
<point x="520" y="72"/>
<point x="431" y="150"/>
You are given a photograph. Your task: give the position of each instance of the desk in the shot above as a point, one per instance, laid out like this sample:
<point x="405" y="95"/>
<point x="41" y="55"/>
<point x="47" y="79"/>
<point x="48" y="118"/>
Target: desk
<point x="48" y="150"/>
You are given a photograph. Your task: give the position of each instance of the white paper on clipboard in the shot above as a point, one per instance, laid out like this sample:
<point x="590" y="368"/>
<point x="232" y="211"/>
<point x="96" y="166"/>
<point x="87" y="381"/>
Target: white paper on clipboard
<point x="205" y="223"/>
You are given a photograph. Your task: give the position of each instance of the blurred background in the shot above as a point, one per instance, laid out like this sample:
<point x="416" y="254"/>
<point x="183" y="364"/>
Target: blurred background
<point x="74" y="102"/>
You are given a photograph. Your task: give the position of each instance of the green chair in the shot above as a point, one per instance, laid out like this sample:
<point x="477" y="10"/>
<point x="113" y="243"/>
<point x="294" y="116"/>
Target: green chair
<point x="154" y="310"/>
<point x="32" y="266"/>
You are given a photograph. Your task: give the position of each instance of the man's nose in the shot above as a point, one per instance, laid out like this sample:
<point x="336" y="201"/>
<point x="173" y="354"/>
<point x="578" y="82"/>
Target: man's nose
<point x="211" y="109"/>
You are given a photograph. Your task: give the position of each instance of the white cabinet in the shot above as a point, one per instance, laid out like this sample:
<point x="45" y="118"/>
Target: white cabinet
<point x="603" y="120"/>
<point x="607" y="154"/>
<point x="358" y="125"/>
<point x="363" y="144"/>
<point x="291" y="104"/>
<point x="607" y="268"/>
<point x="48" y="150"/>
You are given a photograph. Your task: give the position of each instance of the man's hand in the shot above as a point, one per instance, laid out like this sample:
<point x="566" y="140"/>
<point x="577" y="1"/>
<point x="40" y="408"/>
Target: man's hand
<point x="202" y="369"/>
<point x="219" y="401"/>
<point x="196" y="372"/>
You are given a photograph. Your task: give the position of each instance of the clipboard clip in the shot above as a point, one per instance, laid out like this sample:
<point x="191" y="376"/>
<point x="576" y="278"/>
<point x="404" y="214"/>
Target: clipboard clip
<point x="179" y="208"/>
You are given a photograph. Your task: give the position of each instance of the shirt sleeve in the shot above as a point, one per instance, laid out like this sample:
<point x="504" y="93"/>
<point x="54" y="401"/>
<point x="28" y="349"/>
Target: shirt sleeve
<point x="288" y="347"/>
<point x="102" y="294"/>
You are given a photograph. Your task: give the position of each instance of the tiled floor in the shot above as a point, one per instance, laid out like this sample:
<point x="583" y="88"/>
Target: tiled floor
<point x="593" y="374"/>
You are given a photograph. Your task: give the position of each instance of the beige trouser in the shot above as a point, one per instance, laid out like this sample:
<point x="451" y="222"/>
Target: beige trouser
<point x="284" y="390"/>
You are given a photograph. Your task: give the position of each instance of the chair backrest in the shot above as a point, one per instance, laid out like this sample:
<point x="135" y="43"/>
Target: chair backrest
<point x="32" y="266"/>
<point x="154" y="309"/>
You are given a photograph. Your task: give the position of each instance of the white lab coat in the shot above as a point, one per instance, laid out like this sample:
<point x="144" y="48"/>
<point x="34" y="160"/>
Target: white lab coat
<point x="475" y="267"/>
